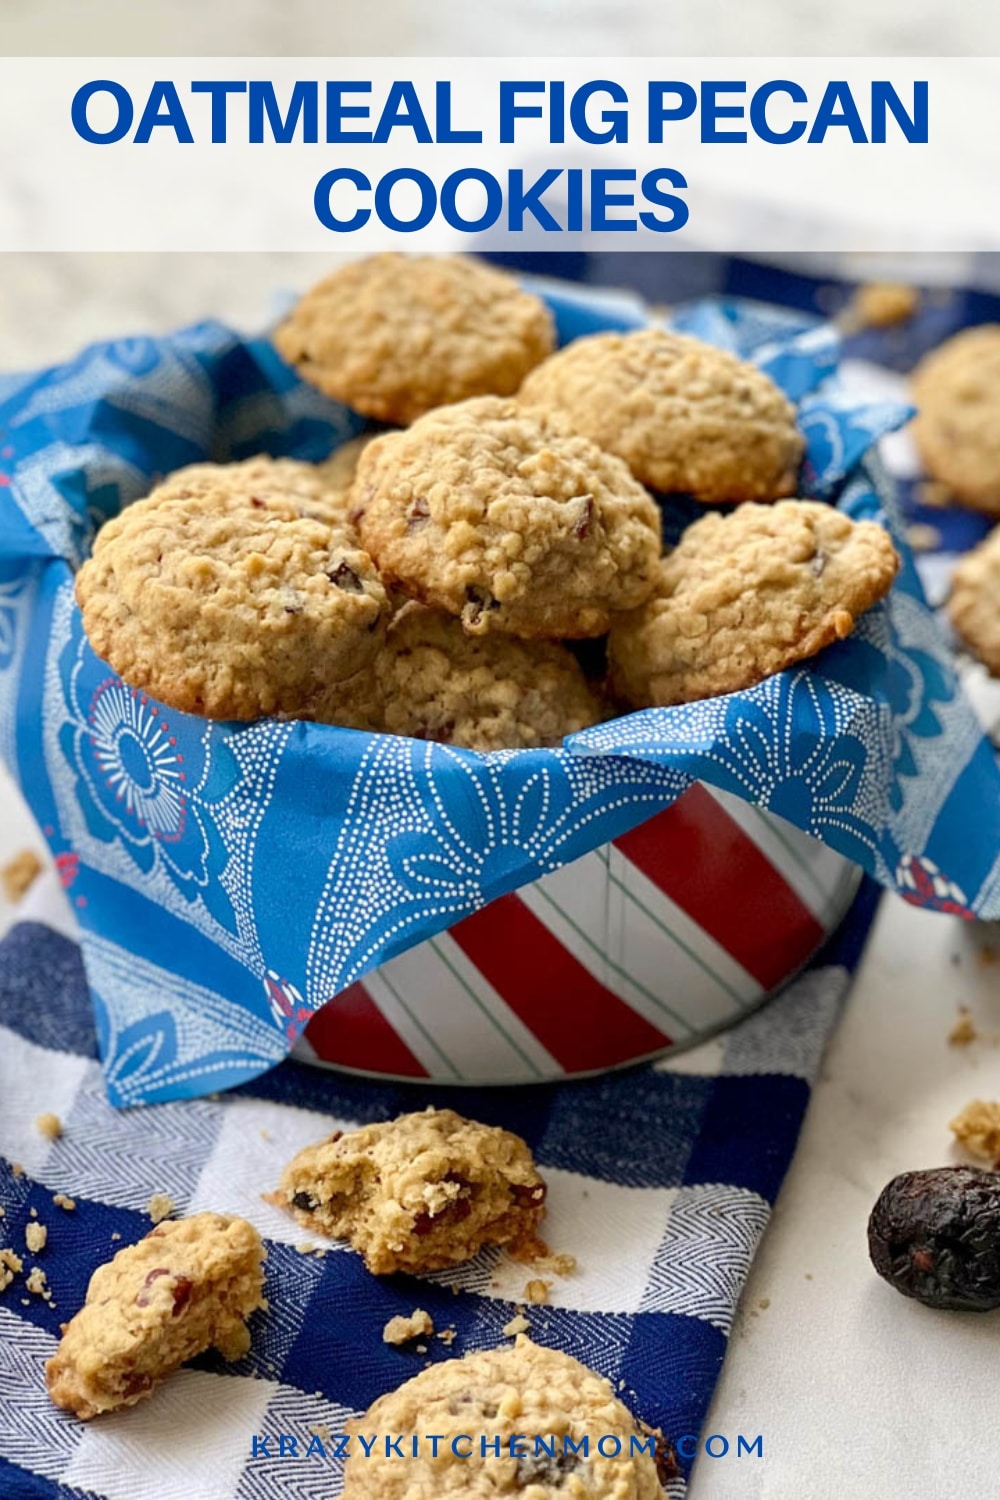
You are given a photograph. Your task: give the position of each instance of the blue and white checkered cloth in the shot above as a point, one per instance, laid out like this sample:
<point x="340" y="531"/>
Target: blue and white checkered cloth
<point x="661" y="1182"/>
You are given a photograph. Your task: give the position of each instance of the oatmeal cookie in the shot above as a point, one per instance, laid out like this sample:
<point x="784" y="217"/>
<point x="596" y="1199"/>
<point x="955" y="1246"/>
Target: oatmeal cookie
<point x="224" y="601"/>
<point x="957" y="428"/>
<point x="395" y="335"/>
<point x="516" y="1394"/>
<point x="188" y="1286"/>
<point x="504" y="518"/>
<point x="487" y="692"/>
<point x="974" y="603"/>
<point x="683" y="415"/>
<point x="336" y="475"/>
<point x="417" y="1193"/>
<point x="745" y="595"/>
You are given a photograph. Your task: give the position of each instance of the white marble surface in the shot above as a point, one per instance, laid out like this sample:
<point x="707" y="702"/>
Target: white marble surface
<point x="856" y="1392"/>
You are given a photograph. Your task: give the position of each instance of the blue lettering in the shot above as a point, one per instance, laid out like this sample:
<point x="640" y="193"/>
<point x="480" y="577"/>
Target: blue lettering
<point x="601" y="200"/>
<point x="712" y="111"/>
<point x="717" y="1437"/>
<point x="304" y="103"/>
<point x="393" y="1448"/>
<point x="884" y="97"/>
<point x="402" y="107"/>
<point x="288" y="1447"/>
<point x="490" y="1446"/>
<point x="642" y="1445"/>
<point x="449" y="200"/>
<point x="582" y="1447"/>
<point x="82" y="125"/>
<point x="659" y="113"/>
<point x="340" y="1446"/>
<point x="758" y="112"/>
<point x="511" y="111"/>
<point x="522" y="200"/>
<point x="685" y="1451"/>
<point x="616" y="120"/>
<point x="321" y="200"/>
<point x="368" y="1445"/>
<point x="463" y="1437"/>
<point x="314" y="1448"/>
<point x="337" y="110"/>
<point x="446" y="134"/>
<point x="837" y="92"/>
<point x="260" y="1448"/>
<point x="383" y="200"/>
<point x="609" y="1445"/>
<point x="220" y="89"/>
<point x="757" y="1446"/>
<point x="652" y="193"/>
<point x="170" y="117"/>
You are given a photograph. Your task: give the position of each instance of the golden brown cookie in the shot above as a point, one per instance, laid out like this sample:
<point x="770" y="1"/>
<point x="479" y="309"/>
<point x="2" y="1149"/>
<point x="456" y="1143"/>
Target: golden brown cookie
<point x="541" y="1416"/>
<point x="336" y="476"/>
<point x="487" y="692"/>
<point x="395" y="335"/>
<point x="503" y="517"/>
<point x="419" y="1192"/>
<point x="957" y="427"/>
<point x="974" y="604"/>
<point x="188" y="1286"/>
<point x="746" y="595"/>
<point x="221" y="599"/>
<point x="683" y="415"/>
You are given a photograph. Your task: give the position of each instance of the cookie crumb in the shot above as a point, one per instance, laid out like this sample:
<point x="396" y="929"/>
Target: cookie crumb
<point x="934" y="493"/>
<point x="923" y="537"/>
<point x="35" y="1236"/>
<point x="537" y="1292"/>
<point x="977" y="1128"/>
<point x="11" y="1265"/>
<point x="115" y="1235"/>
<point x="1" y="1211"/>
<point x="448" y="1336"/>
<point x="518" y="1324"/>
<point x="401" y="1330"/>
<point x="559" y="1264"/>
<point x="36" y="1283"/>
<point x="20" y="874"/>
<point x="880" y="304"/>
<point x="964" y="1030"/>
<point x="321" y="1430"/>
<point x="160" y="1206"/>
<point x="62" y="1201"/>
<point x="764" y="1303"/>
<point x="17" y="1169"/>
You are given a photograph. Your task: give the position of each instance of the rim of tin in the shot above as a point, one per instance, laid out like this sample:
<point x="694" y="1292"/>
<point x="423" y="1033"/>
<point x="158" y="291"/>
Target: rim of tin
<point x="847" y="889"/>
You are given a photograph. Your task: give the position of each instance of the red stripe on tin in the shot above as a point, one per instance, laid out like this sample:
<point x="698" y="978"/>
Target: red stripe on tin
<point x="690" y="851"/>
<point x="351" y="1032"/>
<point x="582" y="1023"/>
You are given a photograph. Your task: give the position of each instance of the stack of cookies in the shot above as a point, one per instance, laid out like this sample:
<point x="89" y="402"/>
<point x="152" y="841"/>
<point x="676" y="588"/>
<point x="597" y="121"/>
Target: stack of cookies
<point x="957" y="432"/>
<point x="435" y="579"/>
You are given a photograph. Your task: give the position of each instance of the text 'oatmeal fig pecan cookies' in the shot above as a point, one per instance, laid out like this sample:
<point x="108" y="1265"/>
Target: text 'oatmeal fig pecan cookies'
<point x="957" y="428"/>
<point x="685" y="416"/>
<point x="221" y="598"/>
<point x="486" y="692"/>
<point x="745" y="595"/>
<point x="974" y="604"/>
<point x="510" y="1397"/>
<point x="395" y="335"/>
<point x="503" y="517"/>
<point x="417" y="1193"/>
<point x="188" y="1286"/>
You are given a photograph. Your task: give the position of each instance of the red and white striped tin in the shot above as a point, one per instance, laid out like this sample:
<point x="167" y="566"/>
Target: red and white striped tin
<point x="654" y="942"/>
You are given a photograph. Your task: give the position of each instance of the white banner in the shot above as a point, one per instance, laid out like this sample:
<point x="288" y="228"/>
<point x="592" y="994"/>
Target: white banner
<point x="359" y="154"/>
